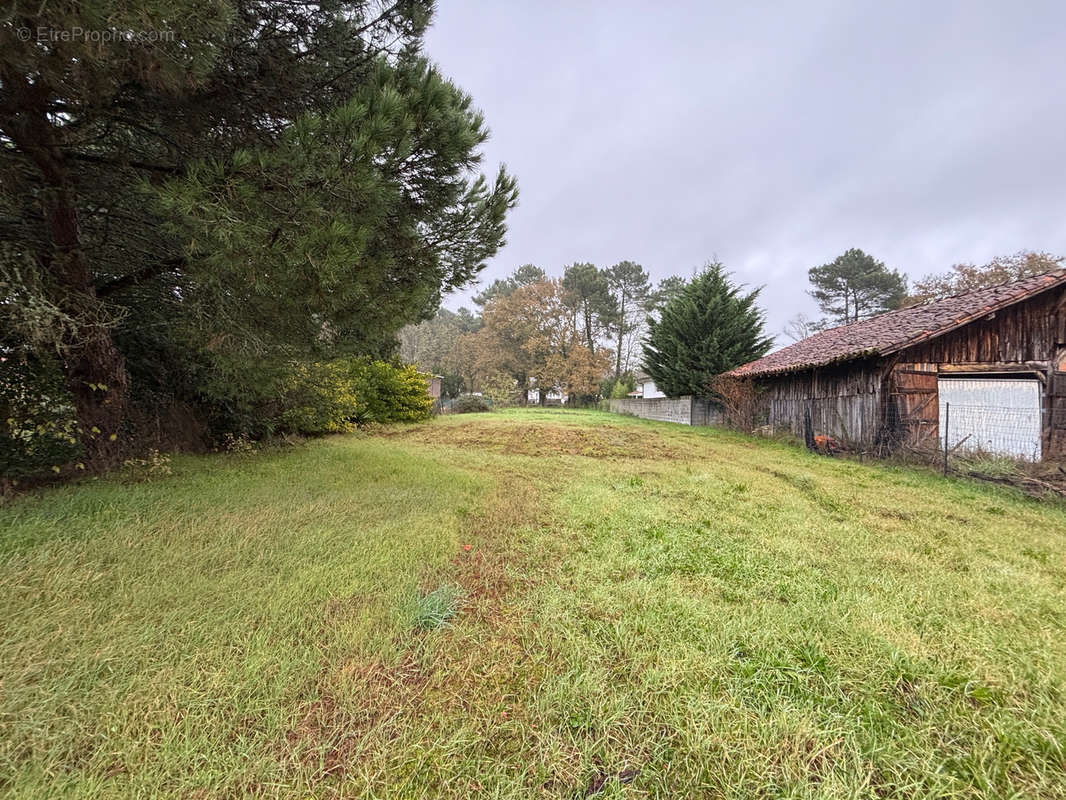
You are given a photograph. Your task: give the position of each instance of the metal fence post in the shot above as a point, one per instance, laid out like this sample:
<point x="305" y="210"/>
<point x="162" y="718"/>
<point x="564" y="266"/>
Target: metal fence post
<point x="947" y="418"/>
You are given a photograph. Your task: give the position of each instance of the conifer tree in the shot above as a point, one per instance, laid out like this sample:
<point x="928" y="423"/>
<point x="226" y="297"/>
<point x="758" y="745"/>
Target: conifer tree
<point x="630" y="290"/>
<point x="589" y="294"/>
<point x="709" y="327"/>
<point x="855" y="286"/>
<point x="503" y="287"/>
<point x="256" y="181"/>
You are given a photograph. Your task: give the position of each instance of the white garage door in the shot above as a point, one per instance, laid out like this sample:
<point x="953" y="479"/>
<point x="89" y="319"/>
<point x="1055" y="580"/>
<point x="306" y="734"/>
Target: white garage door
<point x="994" y="415"/>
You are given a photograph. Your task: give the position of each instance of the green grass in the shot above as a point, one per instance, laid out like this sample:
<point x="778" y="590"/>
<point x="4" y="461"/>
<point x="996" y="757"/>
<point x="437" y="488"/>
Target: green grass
<point x="533" y="603"/>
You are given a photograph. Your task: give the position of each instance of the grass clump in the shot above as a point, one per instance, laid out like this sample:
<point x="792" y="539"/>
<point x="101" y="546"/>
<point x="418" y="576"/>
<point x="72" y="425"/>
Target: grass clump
<point x="434" y="609"/>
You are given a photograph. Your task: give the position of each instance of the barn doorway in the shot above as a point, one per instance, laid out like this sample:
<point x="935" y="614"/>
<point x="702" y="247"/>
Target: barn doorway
<point x="993" y="415"/>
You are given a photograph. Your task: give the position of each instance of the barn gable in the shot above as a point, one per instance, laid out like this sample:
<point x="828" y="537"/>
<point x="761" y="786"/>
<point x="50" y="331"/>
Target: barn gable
<point x="895" y="330"/>
<point x="997" y="354"/>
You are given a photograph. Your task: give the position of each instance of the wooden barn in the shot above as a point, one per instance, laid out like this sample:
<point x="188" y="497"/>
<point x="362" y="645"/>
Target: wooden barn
<point x="988" y="367"/>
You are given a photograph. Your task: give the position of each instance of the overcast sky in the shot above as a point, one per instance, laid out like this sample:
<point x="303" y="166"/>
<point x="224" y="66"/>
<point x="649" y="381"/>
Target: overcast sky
<point x="771" y="135"/>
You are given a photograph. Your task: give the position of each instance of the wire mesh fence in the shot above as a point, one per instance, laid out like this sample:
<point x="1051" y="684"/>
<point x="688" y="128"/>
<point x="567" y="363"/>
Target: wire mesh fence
<point x="933" y="429"/>
<point x="1008" y="432"/>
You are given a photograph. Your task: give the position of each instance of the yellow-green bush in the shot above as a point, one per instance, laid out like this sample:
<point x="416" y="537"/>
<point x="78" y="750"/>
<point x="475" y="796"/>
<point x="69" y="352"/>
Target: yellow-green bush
<point x="336" y="396"/>
<point x="320" y="398"/>
<point x="391" y="393"/>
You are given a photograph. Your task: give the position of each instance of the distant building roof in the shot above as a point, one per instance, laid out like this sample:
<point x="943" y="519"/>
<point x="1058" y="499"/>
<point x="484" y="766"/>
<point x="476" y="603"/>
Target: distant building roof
<point x="894" y="330"/>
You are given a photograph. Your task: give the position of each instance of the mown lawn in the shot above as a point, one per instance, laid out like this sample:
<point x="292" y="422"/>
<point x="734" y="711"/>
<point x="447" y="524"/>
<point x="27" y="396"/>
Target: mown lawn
<point x="643" y="610"/>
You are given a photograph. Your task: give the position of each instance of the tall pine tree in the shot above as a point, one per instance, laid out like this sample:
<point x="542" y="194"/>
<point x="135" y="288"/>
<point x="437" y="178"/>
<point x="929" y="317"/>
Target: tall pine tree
<point x="267" y="181"/>
<point x="589" y="294"/>
<point x="709" y="327"/>
<point x="630" y="290"/>
<point x="855" y="286"/>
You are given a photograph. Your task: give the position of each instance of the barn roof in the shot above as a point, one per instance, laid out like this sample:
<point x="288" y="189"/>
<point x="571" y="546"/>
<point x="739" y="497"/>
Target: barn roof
<point x="894" y="330"/>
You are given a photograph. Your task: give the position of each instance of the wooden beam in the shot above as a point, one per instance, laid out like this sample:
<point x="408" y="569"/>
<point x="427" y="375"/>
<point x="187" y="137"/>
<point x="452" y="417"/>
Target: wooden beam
<point x="1058" y="385"/>
<point x="997" y="366"/>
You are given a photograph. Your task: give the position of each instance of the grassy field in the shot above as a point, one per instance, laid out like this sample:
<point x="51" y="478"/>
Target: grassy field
<point x="533" y="604"/>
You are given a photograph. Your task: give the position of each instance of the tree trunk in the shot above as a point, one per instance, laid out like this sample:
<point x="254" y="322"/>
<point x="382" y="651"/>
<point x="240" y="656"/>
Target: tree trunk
<point x="99" y="364"/>
<point x="588" y="327"/>
<point x="621" y="333"/>
<point x="94" y="370"/>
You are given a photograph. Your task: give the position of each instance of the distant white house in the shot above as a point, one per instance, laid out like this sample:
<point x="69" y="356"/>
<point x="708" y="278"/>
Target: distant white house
<point x="551" y="397"/>
<point x="645" y="387"/>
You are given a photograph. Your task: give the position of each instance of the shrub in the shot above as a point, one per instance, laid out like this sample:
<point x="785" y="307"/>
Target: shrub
<point x="38" y="430"/>
<point x="320" y="398"/>
<point x="618" y="387"/>
<point x="153" y="465"/>
<point x="337" y="396"/>
<point x="469" y="404"/>
<point x="739" y="398"/>
<point x="236" y="444"/>
<point x="390" y="392"/>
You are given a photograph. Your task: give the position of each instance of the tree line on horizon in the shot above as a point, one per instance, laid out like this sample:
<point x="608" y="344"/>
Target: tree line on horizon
<point x="587" y="332"/>
<point x="578" y="333"/>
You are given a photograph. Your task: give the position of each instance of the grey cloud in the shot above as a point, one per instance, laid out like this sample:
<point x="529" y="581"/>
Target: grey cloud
<point x="771" y="135"/>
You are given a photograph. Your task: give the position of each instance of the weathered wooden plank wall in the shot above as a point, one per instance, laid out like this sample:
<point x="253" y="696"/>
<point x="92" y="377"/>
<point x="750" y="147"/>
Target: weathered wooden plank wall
<point x="893" y="399"/>
<point x="1026" y="332"/>
<point x="845" y="401"/>
<point x="914" y="419"/>
<point x="1027" y="336"/>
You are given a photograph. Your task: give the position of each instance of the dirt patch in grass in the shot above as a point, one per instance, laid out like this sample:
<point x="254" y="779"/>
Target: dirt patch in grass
<point x="331" y="732"/>
<point x="369" y="706"/>
<point x="600" y="781"/>
<point x="605" y="442"/>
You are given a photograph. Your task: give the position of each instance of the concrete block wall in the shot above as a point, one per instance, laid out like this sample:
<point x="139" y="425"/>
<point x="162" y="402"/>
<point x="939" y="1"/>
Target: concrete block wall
<point x="705" y="412"/>
<point x="682" y="410"/>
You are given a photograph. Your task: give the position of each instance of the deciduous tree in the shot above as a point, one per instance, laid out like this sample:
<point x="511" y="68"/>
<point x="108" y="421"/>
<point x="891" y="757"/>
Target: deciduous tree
<point x="801" y="327"/>
<point x="436" y="346"/>
<point x="577" y="371"/>
<point x="967" y="277"/>
<point x="630" y="289"/>
<point x="531" y="334"/>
